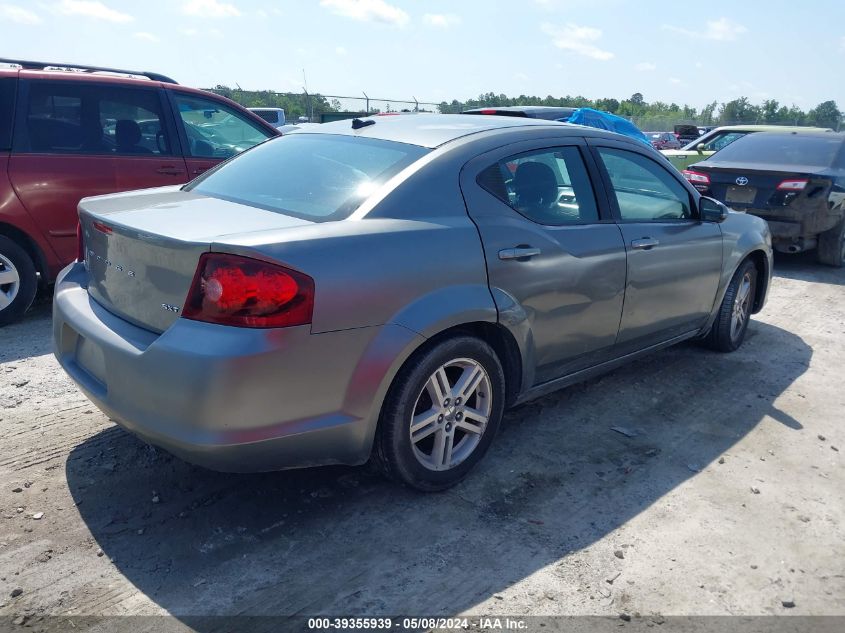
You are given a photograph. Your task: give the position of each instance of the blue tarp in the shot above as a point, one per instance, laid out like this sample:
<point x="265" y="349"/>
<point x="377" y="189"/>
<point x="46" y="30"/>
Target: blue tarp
<point x="607" y="121"/>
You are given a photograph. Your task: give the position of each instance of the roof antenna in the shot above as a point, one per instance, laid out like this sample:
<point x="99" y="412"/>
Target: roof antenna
<point x="357" y="124"/>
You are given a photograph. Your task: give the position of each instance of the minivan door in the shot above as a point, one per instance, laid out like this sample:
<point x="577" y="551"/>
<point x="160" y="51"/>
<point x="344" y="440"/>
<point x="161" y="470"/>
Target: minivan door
<point x="550" y="249"/>
<point x="75" y="139"/>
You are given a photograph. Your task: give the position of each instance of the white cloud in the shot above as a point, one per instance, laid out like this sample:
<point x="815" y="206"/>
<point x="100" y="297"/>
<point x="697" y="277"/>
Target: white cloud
<point x="210" y="9"/>
<point x="340" y="50"/>
<point x="645" y="67"/>
<point x="189" y="32"/>
<point x="721" y="30"/>
<point x="674" y="80"/>
<point x="368" y="11"/>
<point x="442" y="20"/>
<point x="577" y="39"/>
<point x="92" y="9"/>
<point x="143" y="35"/>
<point x="18" y="15"/>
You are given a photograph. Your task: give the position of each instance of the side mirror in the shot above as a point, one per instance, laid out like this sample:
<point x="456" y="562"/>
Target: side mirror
<point x="699" y="148"/>
<point x="711" y="210"/>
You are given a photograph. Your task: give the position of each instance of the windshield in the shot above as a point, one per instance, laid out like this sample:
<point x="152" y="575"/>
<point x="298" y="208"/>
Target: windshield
<point x="782" y="149"/>
<point x="316" y="177"/>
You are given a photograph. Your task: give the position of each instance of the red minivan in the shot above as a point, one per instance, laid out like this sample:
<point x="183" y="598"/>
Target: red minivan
<point x="67" y="132"/>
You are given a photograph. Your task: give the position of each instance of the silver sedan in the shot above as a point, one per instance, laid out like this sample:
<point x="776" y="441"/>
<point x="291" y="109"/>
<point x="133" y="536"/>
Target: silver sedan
<point x="386" y="288"/>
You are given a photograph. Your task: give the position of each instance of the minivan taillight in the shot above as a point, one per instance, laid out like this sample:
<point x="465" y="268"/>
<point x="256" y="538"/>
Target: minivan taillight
<point x="245" y="292"/>
<point x="80" y="243"/>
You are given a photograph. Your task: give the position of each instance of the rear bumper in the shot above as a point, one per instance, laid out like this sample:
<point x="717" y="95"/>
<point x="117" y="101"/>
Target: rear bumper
<point x="230" y="399"/>
<point x="798" y="221"/>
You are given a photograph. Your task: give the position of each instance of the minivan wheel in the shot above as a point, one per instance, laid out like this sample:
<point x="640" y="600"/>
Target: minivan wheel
<point x="831" y="248"/>
<point x="441" y="414"/>
<point x="728" y="331"/>
<point x="18" y="281"/>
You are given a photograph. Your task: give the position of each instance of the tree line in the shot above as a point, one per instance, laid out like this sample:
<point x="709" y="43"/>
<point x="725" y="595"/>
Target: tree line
<point x="658" y="115"/>
<point x="655" y="115"/>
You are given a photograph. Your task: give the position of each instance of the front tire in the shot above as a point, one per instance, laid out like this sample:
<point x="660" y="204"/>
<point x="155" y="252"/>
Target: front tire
<point x="728" y="330"/>
<point x="441" y="414"/>
<point x="18" y="281"/>
<point x="831" y="248"/>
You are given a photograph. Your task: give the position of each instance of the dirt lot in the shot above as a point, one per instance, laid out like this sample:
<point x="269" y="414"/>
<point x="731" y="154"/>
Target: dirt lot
<point x="727" y="499"/>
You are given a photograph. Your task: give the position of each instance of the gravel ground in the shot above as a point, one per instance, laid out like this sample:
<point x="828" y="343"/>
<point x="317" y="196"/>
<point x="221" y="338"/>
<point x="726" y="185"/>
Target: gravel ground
<point x="723" y="496"/>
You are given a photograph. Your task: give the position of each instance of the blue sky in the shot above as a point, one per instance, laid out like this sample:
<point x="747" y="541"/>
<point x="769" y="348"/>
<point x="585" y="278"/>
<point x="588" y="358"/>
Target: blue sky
<point x="437" y="49"/>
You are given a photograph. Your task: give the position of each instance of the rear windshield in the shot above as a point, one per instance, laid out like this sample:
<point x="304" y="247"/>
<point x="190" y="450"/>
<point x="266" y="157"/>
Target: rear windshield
<point x="316" y="177"/>
<point x="780" y="149"/>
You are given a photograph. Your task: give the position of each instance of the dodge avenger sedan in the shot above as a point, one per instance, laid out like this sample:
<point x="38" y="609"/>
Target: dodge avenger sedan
<point x="385" y="288"/>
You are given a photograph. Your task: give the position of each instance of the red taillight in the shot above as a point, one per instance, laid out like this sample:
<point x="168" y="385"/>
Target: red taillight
<point x="234" y="290"/>
<point x="80" y="243"/>
<point x="793" y="184"/>
<point x="488" y="111"/>
<point x="696" y="177"/>
<point x="102" y="228"/>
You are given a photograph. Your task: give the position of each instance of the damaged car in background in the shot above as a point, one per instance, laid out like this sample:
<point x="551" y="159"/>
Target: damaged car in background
<point x="795" y="181"/>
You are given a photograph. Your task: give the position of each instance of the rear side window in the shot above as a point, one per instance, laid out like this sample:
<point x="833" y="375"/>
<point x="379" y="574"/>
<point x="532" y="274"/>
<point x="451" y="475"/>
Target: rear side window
<point x="7" y="111"/>
<point x="549" y="186"/>
<point x="69" y="118"/>
<point x="312" y="176"/>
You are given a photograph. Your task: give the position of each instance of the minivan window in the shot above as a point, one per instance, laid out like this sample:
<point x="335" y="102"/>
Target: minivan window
<point x="316" y="177"/>
<point x="215" y="130"/>
<point x="7" y="109"/>
<point x="74" y="118"/>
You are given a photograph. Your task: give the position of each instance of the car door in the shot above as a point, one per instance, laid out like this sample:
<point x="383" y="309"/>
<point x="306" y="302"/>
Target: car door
<point x="674" y="259"/>
<point x="65" y="150"/>
<point x="146" y="147"/>
<point x="551" y="249"/>
<point x="211" y="131"/>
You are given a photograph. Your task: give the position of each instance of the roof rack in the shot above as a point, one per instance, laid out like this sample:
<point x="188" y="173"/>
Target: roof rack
<point x="30" y="65"/>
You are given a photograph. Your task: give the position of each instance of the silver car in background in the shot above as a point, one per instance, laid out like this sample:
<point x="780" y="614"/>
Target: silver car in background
<point x="385" y="288"/>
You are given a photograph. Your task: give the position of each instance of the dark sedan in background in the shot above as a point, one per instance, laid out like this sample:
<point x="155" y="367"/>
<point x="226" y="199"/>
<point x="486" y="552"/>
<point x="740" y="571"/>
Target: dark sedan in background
<point x="794" y="180"/>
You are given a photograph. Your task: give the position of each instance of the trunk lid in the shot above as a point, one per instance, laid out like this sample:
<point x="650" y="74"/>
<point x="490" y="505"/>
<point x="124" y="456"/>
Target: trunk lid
<point x="142" y="248"/>
<point x="742" y="188"/>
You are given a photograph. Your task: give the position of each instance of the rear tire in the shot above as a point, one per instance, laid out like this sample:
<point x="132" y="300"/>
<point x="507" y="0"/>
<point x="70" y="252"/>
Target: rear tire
<point x="18" y="281"/>
<point x="441" y="414"/>
<point x="728" y="330"/>
<point x="831" y="248"/>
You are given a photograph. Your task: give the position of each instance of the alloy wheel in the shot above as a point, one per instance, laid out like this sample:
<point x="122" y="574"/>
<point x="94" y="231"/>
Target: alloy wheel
<point x="451" y="414"/>
<point x="10" y="282"/>
<point x="742" y="306"/>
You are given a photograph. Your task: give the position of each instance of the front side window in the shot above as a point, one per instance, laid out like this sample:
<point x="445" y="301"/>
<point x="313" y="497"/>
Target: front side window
<point x="215" y="130"/>
<point x="644" y="190"/>
<point x="316" y="177"/>
<point x="549" y="186"/>
<point x="64" y="117"/>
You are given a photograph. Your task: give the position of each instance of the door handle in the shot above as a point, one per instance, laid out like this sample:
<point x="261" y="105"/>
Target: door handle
<point x="519" y="253"/>
<point x="170" y="170"/>
<point x="646" y="243"/>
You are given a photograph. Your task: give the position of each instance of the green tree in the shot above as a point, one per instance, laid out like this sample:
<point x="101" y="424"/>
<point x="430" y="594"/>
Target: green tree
<point x="826" y="114"/>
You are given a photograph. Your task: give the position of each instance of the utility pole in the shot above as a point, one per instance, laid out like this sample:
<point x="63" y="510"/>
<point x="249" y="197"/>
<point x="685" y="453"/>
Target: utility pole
<point x="309" y="109"/>
<point x="368" y="101"/>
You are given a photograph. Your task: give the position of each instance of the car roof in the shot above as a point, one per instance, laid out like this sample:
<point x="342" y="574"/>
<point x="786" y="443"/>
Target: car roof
<point x="434" y="130"/>
<point x="769" y="128"/>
